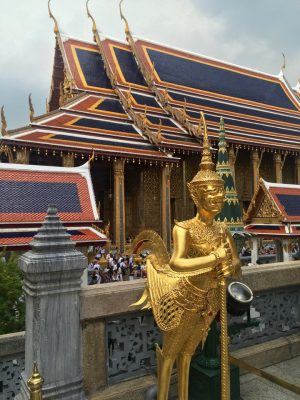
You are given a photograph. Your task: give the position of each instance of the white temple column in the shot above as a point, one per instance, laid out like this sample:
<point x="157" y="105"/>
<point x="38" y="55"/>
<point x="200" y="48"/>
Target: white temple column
<point x="254" y="252"/>
<point x="285" y="249"/>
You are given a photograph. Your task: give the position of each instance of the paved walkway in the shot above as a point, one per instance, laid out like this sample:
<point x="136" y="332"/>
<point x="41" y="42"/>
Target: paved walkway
<point x="256" y="388"/>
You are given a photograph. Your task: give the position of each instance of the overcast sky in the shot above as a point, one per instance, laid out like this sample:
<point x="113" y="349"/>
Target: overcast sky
<point x="251" y="33"/>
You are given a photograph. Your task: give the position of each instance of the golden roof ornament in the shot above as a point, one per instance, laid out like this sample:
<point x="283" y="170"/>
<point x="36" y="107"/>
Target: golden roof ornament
<point x="127" y="30"/>
<point x="283" y="65"/>
<point x="158" y="134"/>
<point x="94" y="27"/>
<point x="31" y="108"/>
<point x="56" y="30"/>
<point x="47" y="108"/>
<point x="92" y="157"/>
<point x="3" y="122"/>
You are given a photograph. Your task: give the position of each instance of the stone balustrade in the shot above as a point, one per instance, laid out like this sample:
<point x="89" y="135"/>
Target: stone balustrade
<point x="118" y="340"/>
<point x="12" y="363"/>
<point x="124" y="335"/>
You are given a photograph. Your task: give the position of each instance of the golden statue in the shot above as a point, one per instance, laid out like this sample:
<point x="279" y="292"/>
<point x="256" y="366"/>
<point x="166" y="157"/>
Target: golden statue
<point x="188" y="290"/>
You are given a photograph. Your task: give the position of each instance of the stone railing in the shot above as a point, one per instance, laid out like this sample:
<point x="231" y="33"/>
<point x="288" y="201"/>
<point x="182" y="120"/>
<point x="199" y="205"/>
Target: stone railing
<point x="119" y="339"/>
<point x="12" y="359"/>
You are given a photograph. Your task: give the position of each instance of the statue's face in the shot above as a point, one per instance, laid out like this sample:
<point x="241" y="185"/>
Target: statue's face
<point x="212" y="198"/>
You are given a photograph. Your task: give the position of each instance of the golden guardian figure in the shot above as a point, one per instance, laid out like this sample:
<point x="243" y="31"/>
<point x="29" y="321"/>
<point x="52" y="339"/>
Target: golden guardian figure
<point x="188" y="290"/>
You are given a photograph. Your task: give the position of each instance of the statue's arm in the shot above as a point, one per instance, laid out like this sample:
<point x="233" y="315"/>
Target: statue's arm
<point x="179" y="262"/>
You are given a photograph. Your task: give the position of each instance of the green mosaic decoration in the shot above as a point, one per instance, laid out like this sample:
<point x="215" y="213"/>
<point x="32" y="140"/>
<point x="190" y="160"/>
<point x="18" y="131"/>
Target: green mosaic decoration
<point x="231" y="213"/>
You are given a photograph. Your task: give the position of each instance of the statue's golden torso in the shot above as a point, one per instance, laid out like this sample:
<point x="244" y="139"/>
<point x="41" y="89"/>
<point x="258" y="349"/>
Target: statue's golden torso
<point x="202" y="240"/>
<point x="188" y="295"/>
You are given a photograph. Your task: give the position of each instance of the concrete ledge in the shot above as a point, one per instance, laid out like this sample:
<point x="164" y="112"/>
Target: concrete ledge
<point x="272" y="276"/>
<point x="102" y="301"/>
<point x="134" y="389"/>
<point x="269" y="353"/>
<point x="261" y="356"/>
<point x="12" y="343"/>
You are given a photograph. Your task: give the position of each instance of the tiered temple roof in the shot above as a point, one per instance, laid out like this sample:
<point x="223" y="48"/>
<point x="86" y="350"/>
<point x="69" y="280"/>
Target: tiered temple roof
<point x="259" y="110"/>
<point x="142" y="100"/>
<point x="26" y="191"/>
<point x="274" y="210"/>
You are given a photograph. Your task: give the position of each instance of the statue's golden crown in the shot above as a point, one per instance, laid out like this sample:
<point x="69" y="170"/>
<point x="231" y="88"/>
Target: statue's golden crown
<point x="206" y="174"/>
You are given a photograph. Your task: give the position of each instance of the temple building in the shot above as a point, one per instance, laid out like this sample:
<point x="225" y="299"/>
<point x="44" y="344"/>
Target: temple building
<point x="26" y="191"/>
<point x="136" y="105"/>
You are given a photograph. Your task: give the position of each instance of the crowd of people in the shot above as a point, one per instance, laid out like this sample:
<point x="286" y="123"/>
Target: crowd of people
<point x="115" y="267"/>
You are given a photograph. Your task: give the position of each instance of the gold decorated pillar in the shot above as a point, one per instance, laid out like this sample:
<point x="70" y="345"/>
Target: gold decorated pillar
<point x="22" y="156"/>
<point x="68" y="160"/>
<point x="184" y="191"/>
<point x="297" y="168"/>
<point x="166" y="206"/>
<point x="255" y="168"/>
<point x="141" y="202"/>
<point x="278" y="168"/>
<point x="232" y="158"/>
<point x="119" y="204"/>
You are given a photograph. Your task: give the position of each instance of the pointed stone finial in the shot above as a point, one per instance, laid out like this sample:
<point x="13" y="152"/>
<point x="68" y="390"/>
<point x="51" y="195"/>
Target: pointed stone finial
<point x="31" y="109"/>
<point x="52" y="236"/>
<point x="35" y="384"/>
<point x="56" y="30"/>
<point x="3" y="122"/>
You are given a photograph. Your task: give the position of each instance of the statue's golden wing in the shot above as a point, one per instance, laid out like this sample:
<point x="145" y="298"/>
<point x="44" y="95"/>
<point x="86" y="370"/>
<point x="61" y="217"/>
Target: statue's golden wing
<point x="150" y="240"/>
<point x="161" y="288"/>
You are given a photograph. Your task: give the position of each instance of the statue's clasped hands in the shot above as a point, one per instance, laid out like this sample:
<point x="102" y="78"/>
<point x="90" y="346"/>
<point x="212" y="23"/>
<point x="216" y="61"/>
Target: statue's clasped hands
<point x="223" y="260"/>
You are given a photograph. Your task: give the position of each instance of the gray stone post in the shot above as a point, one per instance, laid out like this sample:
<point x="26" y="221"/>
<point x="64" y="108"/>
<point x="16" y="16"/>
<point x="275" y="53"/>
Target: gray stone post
<point x="52" y="274"/>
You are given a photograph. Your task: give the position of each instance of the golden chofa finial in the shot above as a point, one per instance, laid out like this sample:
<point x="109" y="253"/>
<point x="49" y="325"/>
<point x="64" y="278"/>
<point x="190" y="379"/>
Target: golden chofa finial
<point x="35" y="383"/>
<point x="158" y="134"/>
<point x="94" y="28"/>
<point x="127" y="31"/>
<point x="31" y="109"/>
<point x="56" y="30"/>
<point x="3" y="122"/>
<point x="92" y="157"/>
<point x="283" y="65"/>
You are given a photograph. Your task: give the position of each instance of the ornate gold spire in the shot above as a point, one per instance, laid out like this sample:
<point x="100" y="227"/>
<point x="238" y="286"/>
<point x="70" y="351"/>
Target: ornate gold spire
<point x="127" y="30"/>
<point x="56" y="30"/>
<point x="94" y="27"/>
<point x="31" y="109"/>
<point x="3" y="122"/>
